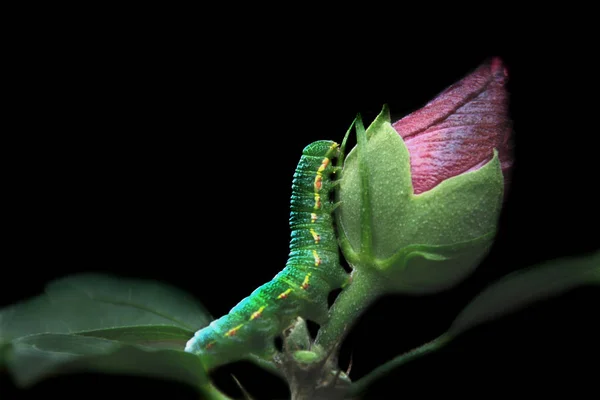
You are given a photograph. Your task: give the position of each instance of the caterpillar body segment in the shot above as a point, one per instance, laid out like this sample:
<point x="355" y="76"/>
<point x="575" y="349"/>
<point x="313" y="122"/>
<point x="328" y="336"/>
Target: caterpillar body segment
<point x="301" y="288"/>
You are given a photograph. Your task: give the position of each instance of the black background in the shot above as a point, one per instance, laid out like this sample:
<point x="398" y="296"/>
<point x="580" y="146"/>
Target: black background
<point x="153" y="155"/>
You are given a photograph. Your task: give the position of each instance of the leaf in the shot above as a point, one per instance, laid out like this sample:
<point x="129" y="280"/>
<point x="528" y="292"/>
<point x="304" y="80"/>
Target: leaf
<point x="165" y="364"/>
<point x="508" y="294"/>
<point x="522" y="288"/>
<point x="37" y="357"/>
<point x="363" y="383"/>
<point x="130" y="310"/>
<point x="4" y="348"/>
<point x="33" y="358"/>
<point x="156" y="336"/>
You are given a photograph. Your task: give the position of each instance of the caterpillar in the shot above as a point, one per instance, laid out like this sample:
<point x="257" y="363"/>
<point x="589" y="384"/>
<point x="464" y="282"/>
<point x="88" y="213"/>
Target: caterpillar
<point x="301" y="288"/>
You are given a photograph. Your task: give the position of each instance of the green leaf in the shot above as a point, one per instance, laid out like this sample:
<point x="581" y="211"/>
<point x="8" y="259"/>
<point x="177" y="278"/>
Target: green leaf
<point x="130" y="310"/>
<point x="4" y="348"/>
<point x="165" y="364"/>
<point x="37" y="357"/>
<point x="362" y="384"/>
<point x="514" y="291"/>
<point x="380" y="217"/>
<point x="156" y="336"/>
<point x="33" y="358"/>
<point x="524" y="287"/>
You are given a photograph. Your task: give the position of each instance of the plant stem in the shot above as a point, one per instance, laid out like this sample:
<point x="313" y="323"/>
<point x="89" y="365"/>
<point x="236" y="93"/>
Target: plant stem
<point x="359" y="386"/>
<point x="349" y="305"/>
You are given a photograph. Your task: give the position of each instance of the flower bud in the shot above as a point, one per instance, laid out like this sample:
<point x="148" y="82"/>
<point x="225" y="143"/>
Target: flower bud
<point x="420" y="198"/>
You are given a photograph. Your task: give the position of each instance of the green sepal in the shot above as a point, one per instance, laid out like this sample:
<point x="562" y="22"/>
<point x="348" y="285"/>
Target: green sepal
<point x="423" y="268"/>
<point x="421" y="243"/>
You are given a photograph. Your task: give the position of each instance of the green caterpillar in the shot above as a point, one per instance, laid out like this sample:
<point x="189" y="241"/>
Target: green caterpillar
<point x="302" y="287"/>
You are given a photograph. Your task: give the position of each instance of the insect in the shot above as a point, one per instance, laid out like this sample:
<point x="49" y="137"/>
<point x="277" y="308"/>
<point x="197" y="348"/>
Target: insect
<point x="301" y="288"/>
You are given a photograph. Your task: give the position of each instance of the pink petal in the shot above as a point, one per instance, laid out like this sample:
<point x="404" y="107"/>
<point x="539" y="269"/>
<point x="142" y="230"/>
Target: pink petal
<point x="457" y="131"/>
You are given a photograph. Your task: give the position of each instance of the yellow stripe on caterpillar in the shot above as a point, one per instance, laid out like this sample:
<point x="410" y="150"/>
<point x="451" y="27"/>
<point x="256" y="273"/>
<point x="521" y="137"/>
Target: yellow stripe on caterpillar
<point x="233" y="331"/>
<point x="317" y="258"/>
<point x="305" y="284"/>
<point x="285" y="294"/>
<point x="315" y="236"/>
<point x="323" y="165"/>
<point x="258" y="313"/>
